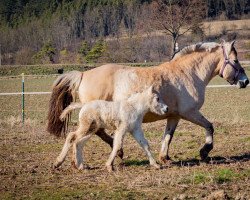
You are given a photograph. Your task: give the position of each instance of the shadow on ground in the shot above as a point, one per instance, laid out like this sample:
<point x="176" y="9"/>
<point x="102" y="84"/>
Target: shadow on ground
<point x="216" y="160"/>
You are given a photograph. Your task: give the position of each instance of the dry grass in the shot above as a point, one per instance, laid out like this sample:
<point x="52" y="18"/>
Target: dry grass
<point x="216" y="27"/>
<point x="27" y="153"/>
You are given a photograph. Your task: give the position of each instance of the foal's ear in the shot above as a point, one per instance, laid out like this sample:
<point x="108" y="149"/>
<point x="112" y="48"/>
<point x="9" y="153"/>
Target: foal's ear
<point x="150" y="90"/>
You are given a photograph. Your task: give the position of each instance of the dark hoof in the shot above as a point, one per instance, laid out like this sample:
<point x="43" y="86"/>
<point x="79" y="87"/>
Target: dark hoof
<point x="165" y="160"/>
<point x="205" y="151"/>
<point x="120" y="153"/>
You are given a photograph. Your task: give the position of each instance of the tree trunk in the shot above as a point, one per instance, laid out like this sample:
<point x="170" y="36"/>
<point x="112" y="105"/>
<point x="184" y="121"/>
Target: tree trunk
<point x="173" y="44"/>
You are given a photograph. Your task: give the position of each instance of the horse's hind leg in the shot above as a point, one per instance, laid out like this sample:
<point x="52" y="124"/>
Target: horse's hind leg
<point x="68" y="142"/>
<point x="197" y="118"/>
<point x="109" y="140"/>
<point x="167" y="138"/>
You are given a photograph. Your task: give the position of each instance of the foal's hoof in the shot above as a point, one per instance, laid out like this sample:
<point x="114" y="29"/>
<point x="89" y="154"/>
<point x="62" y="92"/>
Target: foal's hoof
<point x="156" y="166"/>
<point x="80" y="167"/>
<point x="56" y="165"/>
<point x="110" y="168"/>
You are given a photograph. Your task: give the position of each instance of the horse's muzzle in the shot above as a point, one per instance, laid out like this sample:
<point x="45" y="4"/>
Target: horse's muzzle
<point x="165" y="110"/>
<point x="243" y="83"/>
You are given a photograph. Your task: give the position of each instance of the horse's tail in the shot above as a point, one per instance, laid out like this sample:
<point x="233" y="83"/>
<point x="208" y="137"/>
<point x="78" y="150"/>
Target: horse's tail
<point x="67" y="110"/>
<point x="63" y="93"/>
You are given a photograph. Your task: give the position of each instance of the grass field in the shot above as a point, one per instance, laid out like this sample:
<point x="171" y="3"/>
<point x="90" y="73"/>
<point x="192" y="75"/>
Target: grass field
<point x="27" y="153"/>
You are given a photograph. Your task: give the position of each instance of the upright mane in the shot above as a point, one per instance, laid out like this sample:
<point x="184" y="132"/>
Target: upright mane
<point x="206" y="46"/>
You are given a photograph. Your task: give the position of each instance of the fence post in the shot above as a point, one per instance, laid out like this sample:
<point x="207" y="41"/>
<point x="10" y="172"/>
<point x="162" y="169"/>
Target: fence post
<point x="23" y="114"/>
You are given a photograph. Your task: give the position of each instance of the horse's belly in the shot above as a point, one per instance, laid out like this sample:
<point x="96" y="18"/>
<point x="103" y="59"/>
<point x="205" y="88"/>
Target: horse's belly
<point x="151" y="117"/>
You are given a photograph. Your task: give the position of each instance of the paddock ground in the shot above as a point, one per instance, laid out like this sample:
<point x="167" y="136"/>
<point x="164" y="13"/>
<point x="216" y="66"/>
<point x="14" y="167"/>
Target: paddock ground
<point x="27" y="153"/>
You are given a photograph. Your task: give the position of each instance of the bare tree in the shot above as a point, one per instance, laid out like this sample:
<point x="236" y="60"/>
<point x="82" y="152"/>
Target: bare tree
<point x="177" y="17"/>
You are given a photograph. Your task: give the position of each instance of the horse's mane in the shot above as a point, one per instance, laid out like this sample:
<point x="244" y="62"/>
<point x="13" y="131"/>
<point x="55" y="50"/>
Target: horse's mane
<point x="206" y="46"/>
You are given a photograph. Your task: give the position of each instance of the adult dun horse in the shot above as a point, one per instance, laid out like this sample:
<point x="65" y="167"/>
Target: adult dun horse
<point x="181" y="83"/>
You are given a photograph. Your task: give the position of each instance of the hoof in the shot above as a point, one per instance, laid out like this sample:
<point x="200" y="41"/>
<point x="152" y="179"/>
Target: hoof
<point x="80" y="167"/>
<point x="165" y="160"/>
<point x="156" y="166"/>
<point x="120" y="153"/>
<point x="110" y="168"/>
<point x="205" y="151"/>
<point x="57" y="164"/>
<point x="73" y="164"/>
<point x="203" y="155"/>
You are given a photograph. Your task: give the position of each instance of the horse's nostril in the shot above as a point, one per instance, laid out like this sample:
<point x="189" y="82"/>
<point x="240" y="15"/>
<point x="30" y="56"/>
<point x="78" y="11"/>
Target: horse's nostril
<point x="166" y="110"/>
<point x="246" y="82"/>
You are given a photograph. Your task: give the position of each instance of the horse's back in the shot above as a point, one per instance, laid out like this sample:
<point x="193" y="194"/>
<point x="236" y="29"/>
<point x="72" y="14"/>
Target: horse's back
<point x="98" y="83"/>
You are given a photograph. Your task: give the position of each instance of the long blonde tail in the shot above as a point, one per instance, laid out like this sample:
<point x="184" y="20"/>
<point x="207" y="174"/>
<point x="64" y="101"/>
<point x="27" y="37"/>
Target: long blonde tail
<point x="63" y="93"/>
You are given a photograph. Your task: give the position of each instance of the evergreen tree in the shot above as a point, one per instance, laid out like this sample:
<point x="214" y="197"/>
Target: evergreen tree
<point x="96" y="52"/>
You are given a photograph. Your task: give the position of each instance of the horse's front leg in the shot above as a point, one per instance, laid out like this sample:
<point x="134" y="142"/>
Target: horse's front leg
<point x="109" y="140"/>
<point x="197" y="118"/>
<point x="167" y="138"/>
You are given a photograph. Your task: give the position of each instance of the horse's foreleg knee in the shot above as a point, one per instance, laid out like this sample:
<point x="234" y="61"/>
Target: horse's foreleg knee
<point x="209" y="142"/>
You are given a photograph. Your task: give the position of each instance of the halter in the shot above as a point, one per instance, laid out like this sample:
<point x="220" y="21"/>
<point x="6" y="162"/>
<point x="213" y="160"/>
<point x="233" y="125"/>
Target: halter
<point x="235" y="66"/>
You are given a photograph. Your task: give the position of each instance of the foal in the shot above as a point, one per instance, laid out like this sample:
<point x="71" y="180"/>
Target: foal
<point x="122" y="116"/>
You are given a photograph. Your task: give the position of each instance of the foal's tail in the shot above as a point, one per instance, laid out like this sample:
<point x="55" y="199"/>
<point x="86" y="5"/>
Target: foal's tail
<point x="67" y="110"/>
<point x="63" y="93"/>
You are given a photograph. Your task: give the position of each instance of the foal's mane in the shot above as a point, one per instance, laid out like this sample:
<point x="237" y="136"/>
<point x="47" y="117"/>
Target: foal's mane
<point x="198" y="47"/>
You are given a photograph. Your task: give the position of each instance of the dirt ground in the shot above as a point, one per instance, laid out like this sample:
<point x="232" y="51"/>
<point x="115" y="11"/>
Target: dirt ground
<point x="27" y="153"/>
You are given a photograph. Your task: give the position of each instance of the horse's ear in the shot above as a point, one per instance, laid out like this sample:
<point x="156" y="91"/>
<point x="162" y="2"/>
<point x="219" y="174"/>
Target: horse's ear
<point x="223" y="42"/>
<point x="232" y="43"/>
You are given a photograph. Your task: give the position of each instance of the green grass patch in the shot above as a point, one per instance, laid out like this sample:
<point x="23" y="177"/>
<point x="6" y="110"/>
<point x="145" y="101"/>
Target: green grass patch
<point x="136" y="162"/>
<point x="225" y="175"/>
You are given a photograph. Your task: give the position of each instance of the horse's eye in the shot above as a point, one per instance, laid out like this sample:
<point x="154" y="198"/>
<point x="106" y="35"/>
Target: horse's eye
<point x="157" y="99"/>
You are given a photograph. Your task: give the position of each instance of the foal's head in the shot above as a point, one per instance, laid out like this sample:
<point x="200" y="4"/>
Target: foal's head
<point x="230" y="68"/>
<point x="155" y="102"/>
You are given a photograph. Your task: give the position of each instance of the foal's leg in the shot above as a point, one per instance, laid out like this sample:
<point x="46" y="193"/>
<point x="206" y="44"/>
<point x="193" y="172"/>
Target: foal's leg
<point x="167" y="138"/>
<point x="117" y="145"/>
<point x="108" y="139"/>
<point x="197" y="118"/>
<point x="68" y="142"/>
<point x="77" y="150"/>
<point x="139" y="137"/>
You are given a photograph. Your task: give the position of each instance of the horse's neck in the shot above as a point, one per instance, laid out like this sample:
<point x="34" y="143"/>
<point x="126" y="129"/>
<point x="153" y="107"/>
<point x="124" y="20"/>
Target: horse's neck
<point x="204" y="66"/>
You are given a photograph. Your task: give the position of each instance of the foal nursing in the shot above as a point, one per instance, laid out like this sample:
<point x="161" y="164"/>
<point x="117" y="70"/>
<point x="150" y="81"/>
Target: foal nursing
<point x="122" y="116"/>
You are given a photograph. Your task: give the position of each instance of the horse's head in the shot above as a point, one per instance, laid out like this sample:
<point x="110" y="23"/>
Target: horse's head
<point x="231" y="69"/>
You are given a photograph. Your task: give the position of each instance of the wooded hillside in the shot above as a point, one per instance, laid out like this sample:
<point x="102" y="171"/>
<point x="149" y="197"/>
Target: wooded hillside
<point x="48" y="31"/>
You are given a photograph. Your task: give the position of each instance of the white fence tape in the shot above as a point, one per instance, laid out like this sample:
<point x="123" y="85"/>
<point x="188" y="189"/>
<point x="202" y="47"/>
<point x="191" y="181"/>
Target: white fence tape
<point x="41" y="93"/>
